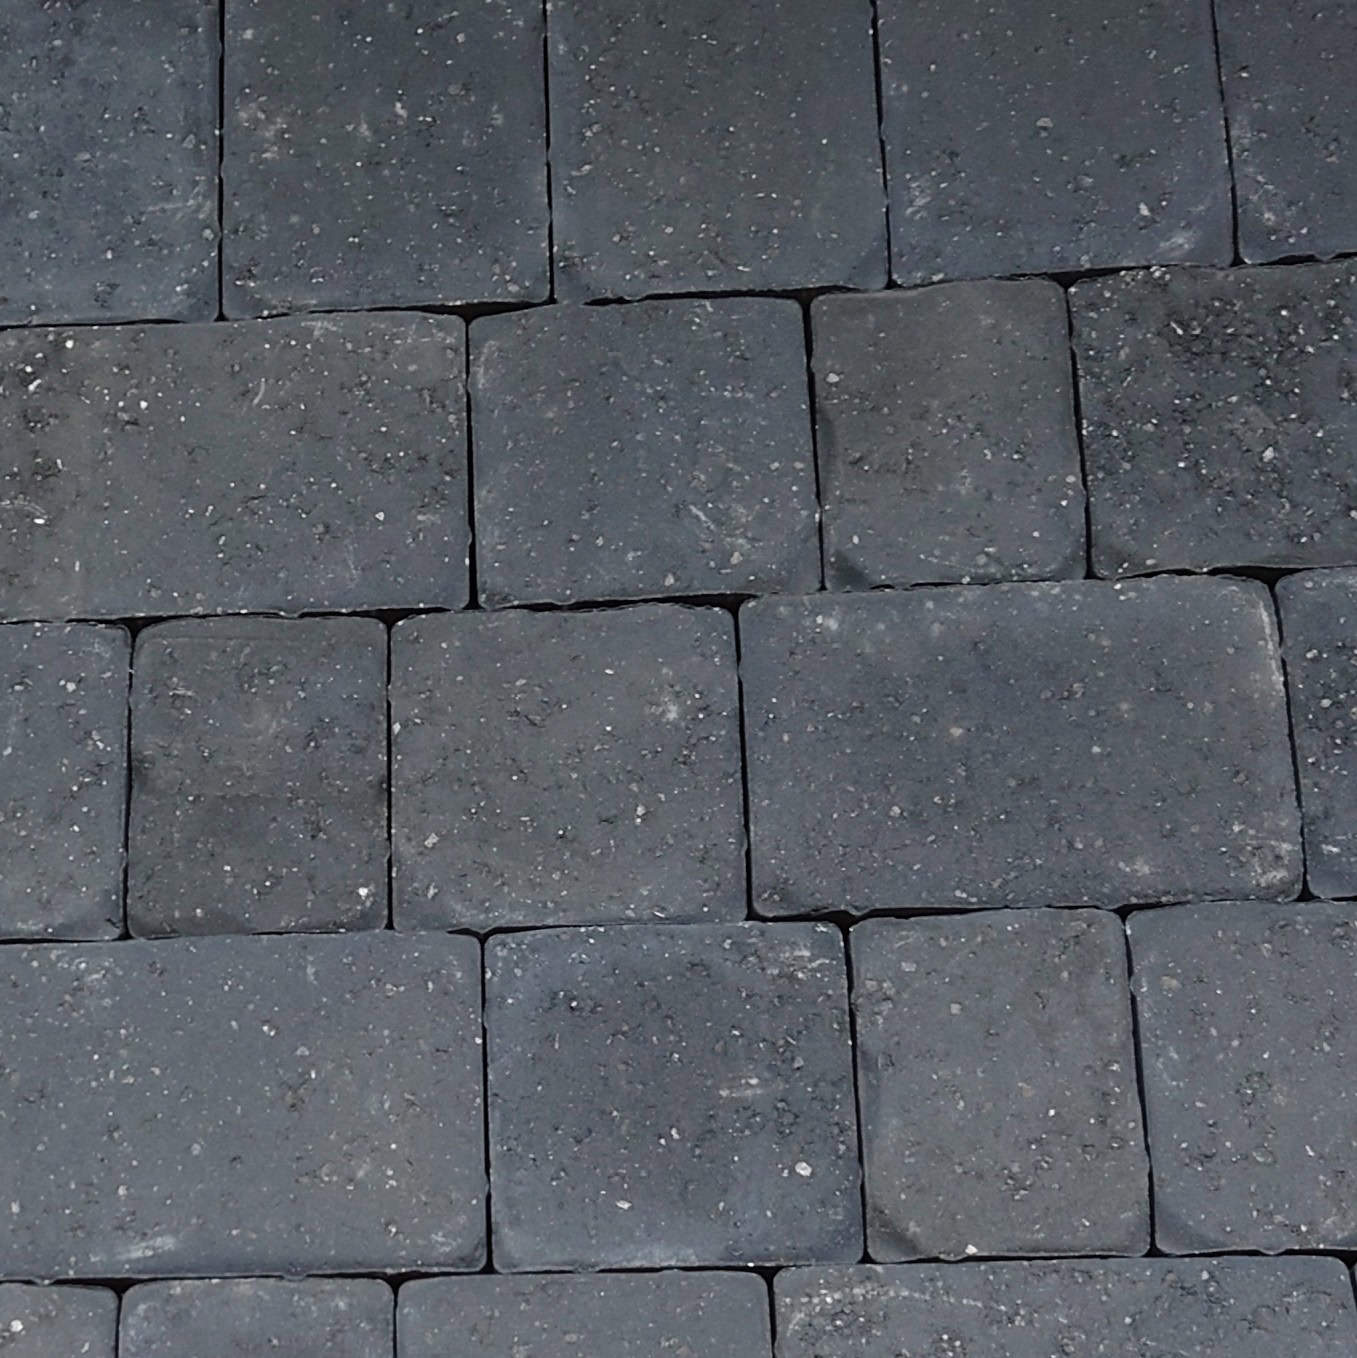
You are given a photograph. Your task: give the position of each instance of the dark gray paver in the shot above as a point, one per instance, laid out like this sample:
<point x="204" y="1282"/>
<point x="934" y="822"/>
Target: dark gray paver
<point x="1047" y="138"/>
<point x="390" y="157"/>
<point x="638" y="451"/>
<point x="671" y="1095"/>
<point x="260" y="467"/>
<point x="1248" y="1048"/>
<point x="1114" y="1308"/>
<point x="997" y="1082"/>
<point x="1046" y="744"/>
<point x="258" y="776"/>
<point x="617" y="1315"/>
<point x="57" y="1322"/>
<point x="714" y="147"/>
<point x="1220" y="413"/>
<point x="63" y="756"/>
<point x="566" y="768"/>
<point x="947" y="444"/>
<point x="206" y="1107"/>
<point x="108" y="178"/>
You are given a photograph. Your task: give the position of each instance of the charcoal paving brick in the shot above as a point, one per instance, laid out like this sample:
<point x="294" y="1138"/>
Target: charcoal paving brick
<point x="383" y="158"/>
<point x="947" y="445"/>
<point x="57" y="1322"/>
<point x="671" y="1095"/>
<point x="997" y="1080"/>
<point x="258" y="776"/>
<point x="108" y="179"/>
<point x="218" y="1106"/>
<point x="63" y="705"/>
<point x="638" y="451"/>
<point x="274" y="466"/>
<point x="714" y="147"/>
<point x="1018" y="744"/>
<point x="1219" y="410"/>
<point x="1039" y="138"/>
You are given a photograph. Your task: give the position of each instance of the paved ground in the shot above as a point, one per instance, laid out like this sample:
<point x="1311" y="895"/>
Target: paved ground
<point x="678" y="680"/>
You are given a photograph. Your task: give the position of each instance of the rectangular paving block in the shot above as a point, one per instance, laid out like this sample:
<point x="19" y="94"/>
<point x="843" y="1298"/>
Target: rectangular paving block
<point x="1040" y="138"/>
<point x="637" y="451"/>
<point x="225" y="1106"/>
<point x="947" y="446"/>
<point x="108" y="180"/>
<point x="57" y="1322"/>
<point x="997" y="1086"/>
<point x="390" y="157"/>
<point x="277" y="466"/>
<point x="1220" y="414"/>
<point x="1248" y="1048"/>
<point x="1079" y="743"/>
<point x="63" y="756"/>
<point x="259" y="782"/>
<point x="664" y="1095"/>
<point x="711" y="147"/>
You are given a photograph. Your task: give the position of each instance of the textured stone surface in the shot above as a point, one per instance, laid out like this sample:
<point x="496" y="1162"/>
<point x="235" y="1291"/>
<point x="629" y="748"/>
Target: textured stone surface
<point x="1044" y="138"/>
<point x="1249" y="1053"/>
<point x="63" y="758"/>
<point x="947" y="445"/>
<point x="1220" y="412"/>
<point x="637" y="451"/>
<point x="997" y="1081"/>
<point x="664" y="1095"/>
<point x="258" y="776"/>
<point x="1074" y="743"/>
<point x="202" y="1107"/>
<point x="108" y="177"/>
<point x="391" y="157"/>
<point x="714" y="147"/>
<point x="57" y="1322"/>
<point x="291" y="465"/>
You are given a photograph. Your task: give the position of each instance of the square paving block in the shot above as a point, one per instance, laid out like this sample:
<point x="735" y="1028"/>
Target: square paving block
<point x="57" y="1322"/>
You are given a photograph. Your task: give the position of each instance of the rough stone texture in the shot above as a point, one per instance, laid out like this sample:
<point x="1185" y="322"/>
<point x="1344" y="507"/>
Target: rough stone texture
<point x="664" y="1095"/>
<point x="281" y="466"/>
<point x="1037" y="138"/>
<point x="689" y="1315"/>
<point x="638" y="451"/>
<point x="1114" y="1308"/>
<point x="947" y="444"/>
<point x="1076" y="743"/>
<point x="57" y="1322"/>
<point x="258" y="776"/>
<point x="63" y="780"/>
<point x="1292" y="105"/>
<point x="390" y="157"/>
<point x="207" y="1107"/>
<point x="1319" y="637"/>
<point x="997" y="1082"/>
<point x="1220" y="414"/>
<point x="1248" y="1047"/>
<point x="108" y="178"/>
<point x="714" y="147"/>
<point x="566" y="768"/>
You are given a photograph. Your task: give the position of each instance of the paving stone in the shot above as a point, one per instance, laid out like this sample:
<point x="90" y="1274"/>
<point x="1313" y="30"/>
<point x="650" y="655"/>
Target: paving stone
<point x="258" y="776"/>
<point x="997" y="1082"/>
<point x="397" y="160"/>
<point x="1248" y="1048"/>
<point x="638" y="451"/>
<point x="1247" y="1308"/>
<point x="691" y="1315"/>
<point x="1077" y="743"/>
<point x="663" y="1095"/>
<point x="218" y="1106"/>
<point x="63" y="704"/>
<point x="57" y="1322"/>
<point x="1218" y="411"/>
<point x="947" y="445"/>
<point x="1051" y="138"/>
<point x="108" y="181"/>
<point x="713" y="147"/>
<point x="262" y="467"/>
